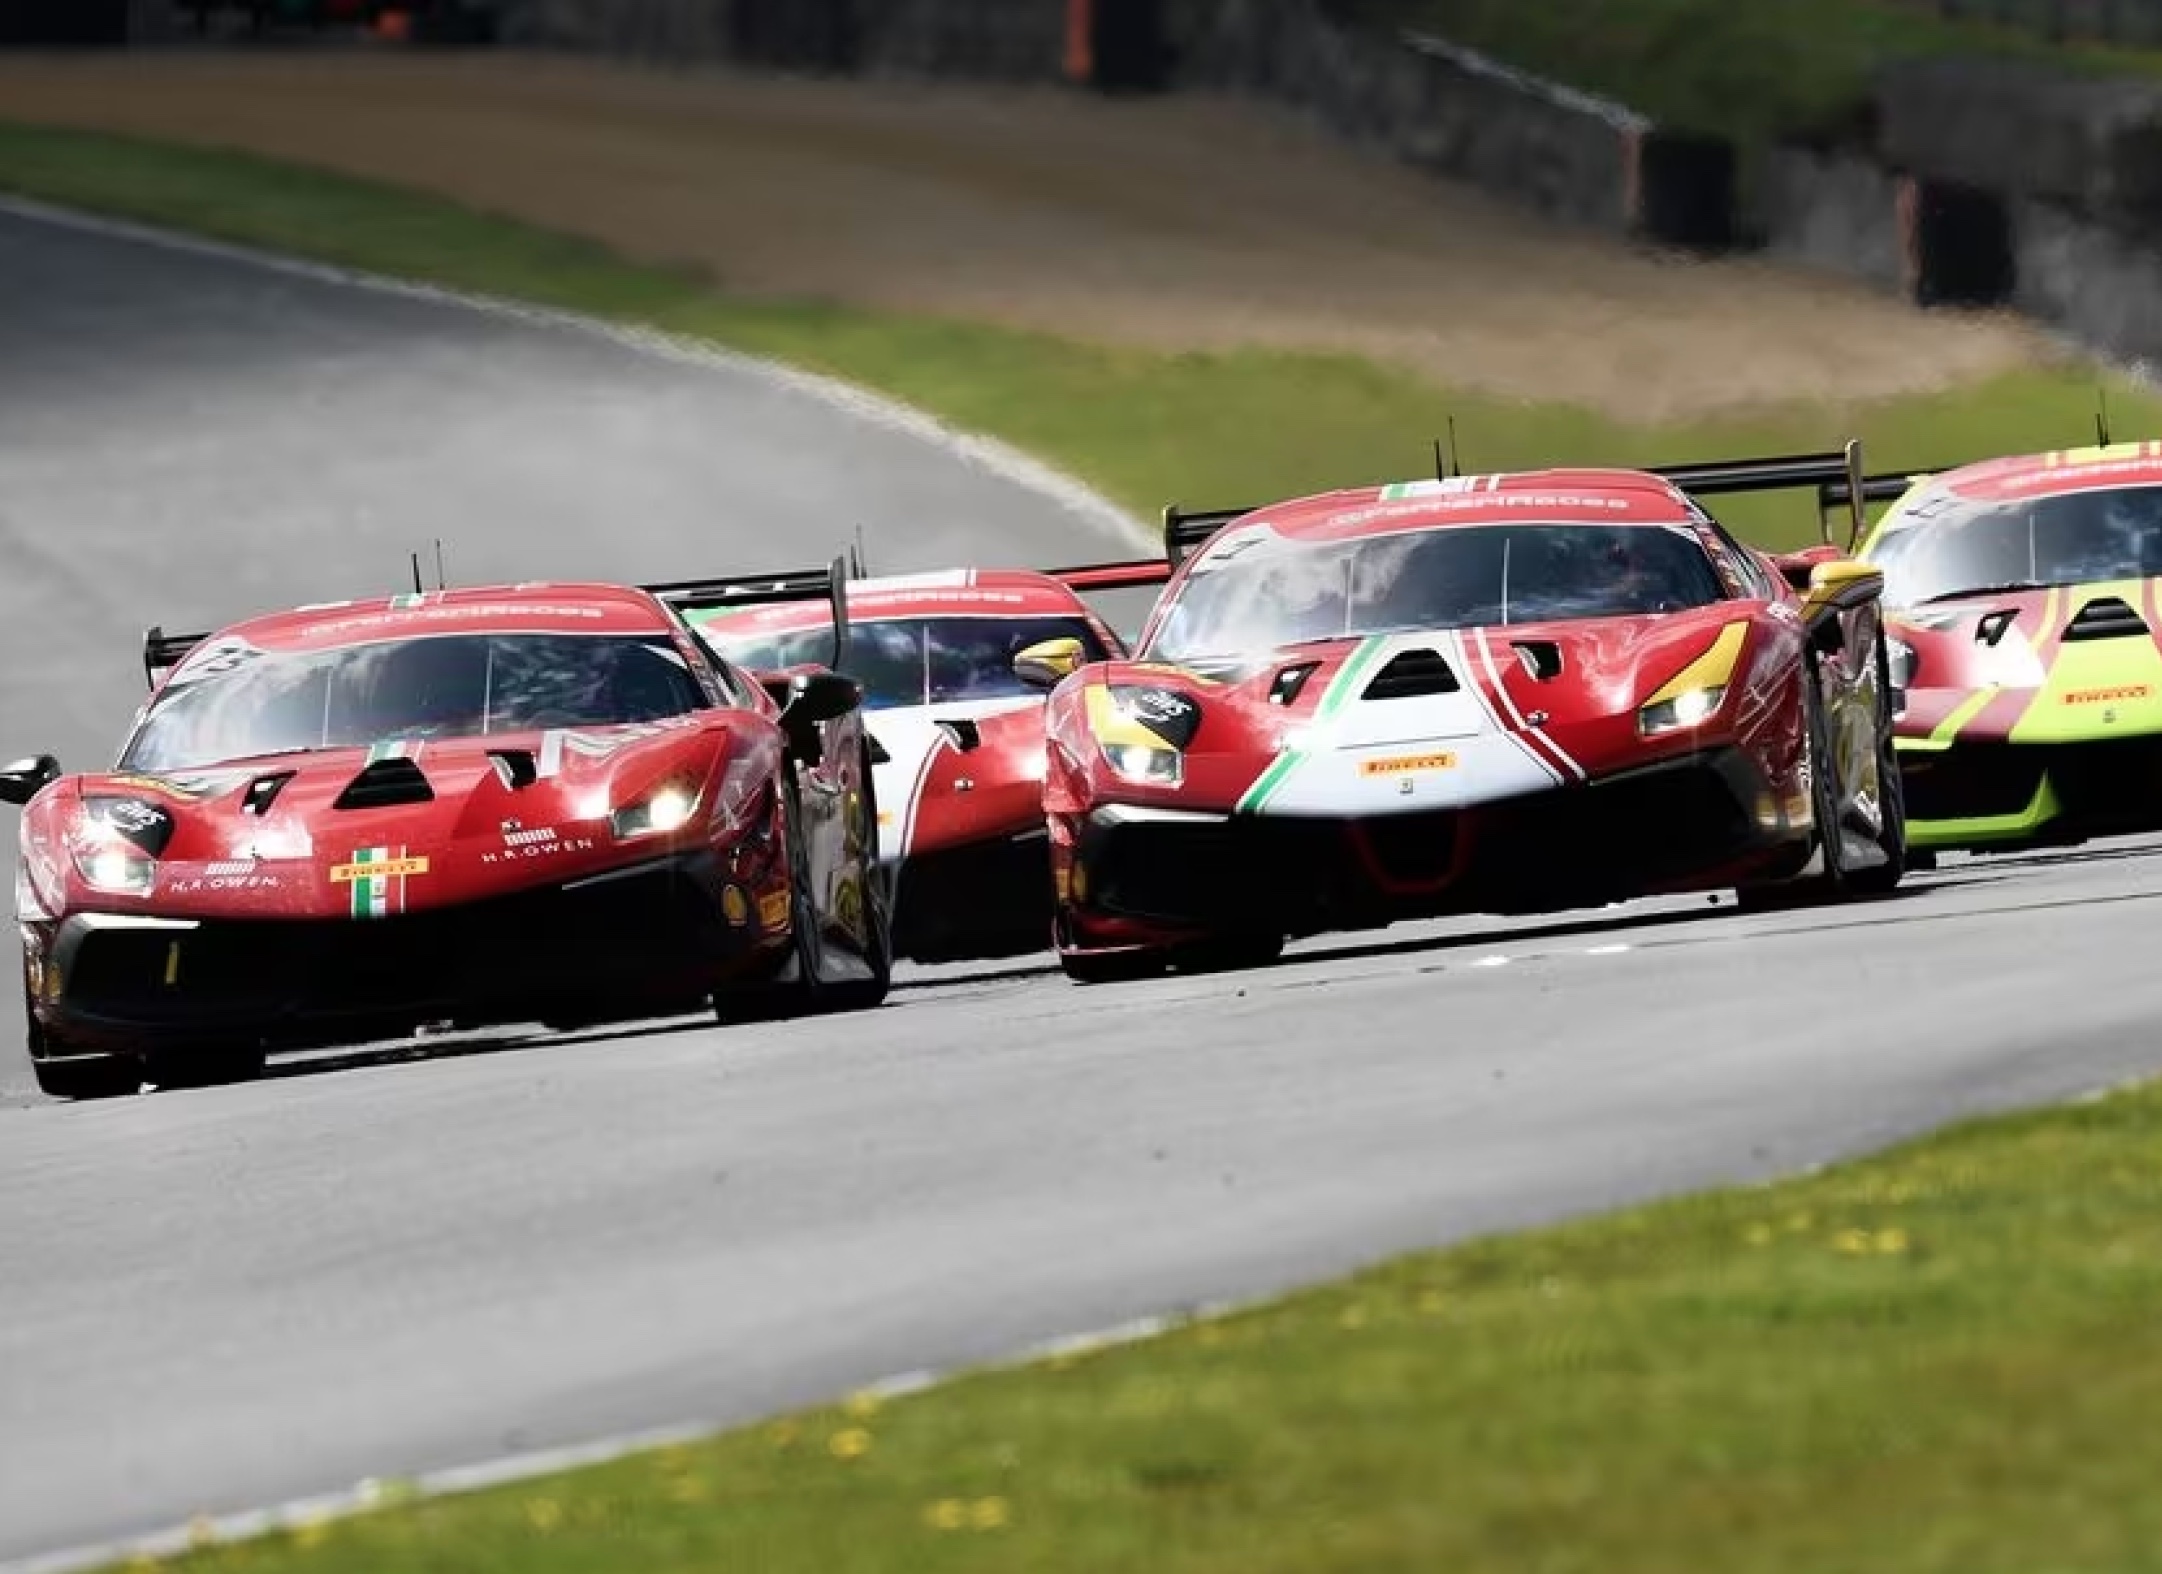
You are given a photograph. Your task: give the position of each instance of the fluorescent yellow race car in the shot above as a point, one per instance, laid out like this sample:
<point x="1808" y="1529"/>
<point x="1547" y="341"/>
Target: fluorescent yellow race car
<point x="2023" y="607"/>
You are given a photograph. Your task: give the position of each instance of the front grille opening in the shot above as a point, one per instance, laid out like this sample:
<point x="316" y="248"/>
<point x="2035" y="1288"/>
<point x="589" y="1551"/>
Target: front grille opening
<point x="2106" y="617"/>
<point x="1413" y="673"/>
<point x="384" y="784"/>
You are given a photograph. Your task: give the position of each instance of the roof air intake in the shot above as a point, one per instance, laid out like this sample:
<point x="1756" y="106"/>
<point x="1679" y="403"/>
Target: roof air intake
<point x="384" y="784"/>
<point x="1410" y="674"/>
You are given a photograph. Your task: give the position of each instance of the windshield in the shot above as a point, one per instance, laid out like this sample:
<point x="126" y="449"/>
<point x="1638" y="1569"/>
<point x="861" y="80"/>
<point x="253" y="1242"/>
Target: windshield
<point x="2073" y="538"/>
<point x="914" y="661"/>
<point x="440" y="686"/>
<point x="1265" y="591"/>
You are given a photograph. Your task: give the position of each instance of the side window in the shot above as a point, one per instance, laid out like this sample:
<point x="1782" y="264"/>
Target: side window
<point x="715" y="678"/>
<point x="1737" y="564"/>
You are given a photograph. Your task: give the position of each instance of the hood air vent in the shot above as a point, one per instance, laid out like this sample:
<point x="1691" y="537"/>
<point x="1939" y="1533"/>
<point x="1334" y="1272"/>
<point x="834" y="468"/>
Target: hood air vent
<point x="263" y="792"/>
<point x="2105" y="618"/>
<point x="1411" y="674"/>
<point x="517" y="767"/>
<point x="962" y="730"/>
<point x="1289" y="682"/>
<point x="385" y="784"/>
<point x="1541" y="658"/>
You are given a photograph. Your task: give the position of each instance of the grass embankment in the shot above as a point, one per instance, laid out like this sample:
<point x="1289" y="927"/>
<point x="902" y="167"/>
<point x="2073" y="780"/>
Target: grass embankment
<point x="1145" y="428"/>
<point x="1752" y="71"/>
<point x="1944" y="1358"/>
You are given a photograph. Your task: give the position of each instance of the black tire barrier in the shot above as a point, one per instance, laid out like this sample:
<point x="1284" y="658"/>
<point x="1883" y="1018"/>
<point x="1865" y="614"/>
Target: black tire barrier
<point x="68" y="23"/>
<point x="1681" y="190"/>
<point x="1127" y="46"/>
<point x="818" y="36"/>
<point x="2092" y="144"/>
<point x="1959" y="242"/>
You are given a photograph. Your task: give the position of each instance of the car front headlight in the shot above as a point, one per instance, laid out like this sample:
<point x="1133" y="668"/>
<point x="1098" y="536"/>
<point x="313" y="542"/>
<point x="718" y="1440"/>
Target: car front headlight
<point x="115" y="866"/>
<point x="1143" y="730"/>
<point x="1151" y="765"/>
<point x="1690" y="708"/>
<point x="666" y="809"/>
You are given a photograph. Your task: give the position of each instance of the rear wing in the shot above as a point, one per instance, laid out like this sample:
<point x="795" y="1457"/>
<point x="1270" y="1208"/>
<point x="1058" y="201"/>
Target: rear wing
<point x="1184" y="531"/>
<point x="162" y="651"/>
<point x="1136" y="575"/>
<point x="811" y="584"/>
<point x="1840" y="469"/>
<point x="1837" y="476"/>
<point x="1876" y="488"/>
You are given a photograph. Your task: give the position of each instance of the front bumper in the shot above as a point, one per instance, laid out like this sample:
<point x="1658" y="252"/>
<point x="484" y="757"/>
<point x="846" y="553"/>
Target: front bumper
<point x="658" y="930"/>
<point x="1704" y="821"/>
<point x="2009" y="795"/>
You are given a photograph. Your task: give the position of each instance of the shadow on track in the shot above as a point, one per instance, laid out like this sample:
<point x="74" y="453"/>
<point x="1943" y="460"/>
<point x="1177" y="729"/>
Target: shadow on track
<point x="1718" y="922"/>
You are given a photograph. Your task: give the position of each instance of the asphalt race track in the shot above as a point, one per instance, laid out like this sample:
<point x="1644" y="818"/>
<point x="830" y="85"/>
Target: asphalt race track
<point x="383" y="1263"/>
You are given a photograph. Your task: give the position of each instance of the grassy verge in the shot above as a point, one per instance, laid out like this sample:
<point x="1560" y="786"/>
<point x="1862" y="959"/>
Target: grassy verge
<point x="1752" y="70"/>
<point x="1145" y="428"/>
<point x="1944" y="1358"/>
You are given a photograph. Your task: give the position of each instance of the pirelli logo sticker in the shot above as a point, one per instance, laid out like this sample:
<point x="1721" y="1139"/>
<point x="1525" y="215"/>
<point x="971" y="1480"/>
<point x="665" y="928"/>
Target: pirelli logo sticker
<point x="378" y="876"/>
<point x="1398" y="764"/>
<point x="2129" y="691"/>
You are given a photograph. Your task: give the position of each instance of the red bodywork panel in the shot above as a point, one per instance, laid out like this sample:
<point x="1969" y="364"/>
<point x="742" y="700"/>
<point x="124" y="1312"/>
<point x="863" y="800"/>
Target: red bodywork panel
<point x="1540" y="710"/>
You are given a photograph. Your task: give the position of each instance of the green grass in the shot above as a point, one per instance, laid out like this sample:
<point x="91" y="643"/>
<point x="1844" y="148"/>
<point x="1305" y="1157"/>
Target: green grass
<point x="1752" y="69"/>
<point x="1945" y="1359"/>
<point x="1145" y="428"/>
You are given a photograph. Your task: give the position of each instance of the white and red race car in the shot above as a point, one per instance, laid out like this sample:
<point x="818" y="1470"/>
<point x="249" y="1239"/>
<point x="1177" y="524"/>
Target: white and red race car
<point x="957" y="736"/>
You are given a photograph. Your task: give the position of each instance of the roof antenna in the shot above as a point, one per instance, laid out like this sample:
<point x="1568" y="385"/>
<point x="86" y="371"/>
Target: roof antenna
<point x="440" y="582"/>
<point x="1456" y="465"/>
<point x="2101" y="415"/>
<point x="863" y="561"/>
<point x="417" y="587"/>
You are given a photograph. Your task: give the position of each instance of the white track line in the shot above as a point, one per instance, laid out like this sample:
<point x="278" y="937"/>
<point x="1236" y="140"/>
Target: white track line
<point x="368" y="1495"/>
<point x="982" y="453"/>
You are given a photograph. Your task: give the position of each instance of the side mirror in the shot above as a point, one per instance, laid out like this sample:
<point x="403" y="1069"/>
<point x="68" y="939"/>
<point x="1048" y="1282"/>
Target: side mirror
<point x="1840" y="585"/>
<point x="815" y="698"/>
<point x="24" y="779"/>
<point x="1047" y="663"/>
<point x="1796" y="567"/>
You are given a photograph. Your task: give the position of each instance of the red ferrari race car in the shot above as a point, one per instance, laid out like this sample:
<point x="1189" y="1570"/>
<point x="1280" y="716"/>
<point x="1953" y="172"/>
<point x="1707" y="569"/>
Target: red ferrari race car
<point x="1498" y="693"/>
<point x="467" y="807"/>
<point x="957" y="736"/>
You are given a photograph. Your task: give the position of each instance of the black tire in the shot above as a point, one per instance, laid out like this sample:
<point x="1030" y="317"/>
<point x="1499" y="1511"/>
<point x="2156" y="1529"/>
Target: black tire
<point x="1113" y="967"/>
<point x="866" y="994"/>
<point x="1884" y="879"/>
<point x="205" y="1069"/>
<point x="1824" y="793"/>
<point x="1830" y="882"/>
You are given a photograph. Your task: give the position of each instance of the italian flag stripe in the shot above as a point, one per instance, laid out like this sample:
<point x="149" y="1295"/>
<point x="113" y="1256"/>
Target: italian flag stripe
<point x="368" y="893"/>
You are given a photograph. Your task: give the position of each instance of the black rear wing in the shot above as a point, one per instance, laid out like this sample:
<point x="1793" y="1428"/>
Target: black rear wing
<point x="162" y="651"/>
<point x="1837" y="476"/>
<point x="829" y="584"/>
<point x="1184" y="532"/>
<point x="1876" y="488"/>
